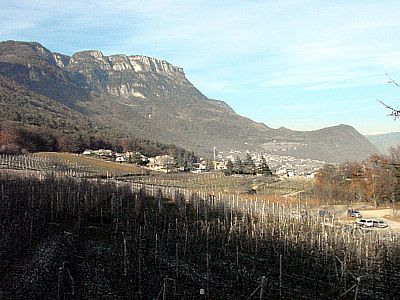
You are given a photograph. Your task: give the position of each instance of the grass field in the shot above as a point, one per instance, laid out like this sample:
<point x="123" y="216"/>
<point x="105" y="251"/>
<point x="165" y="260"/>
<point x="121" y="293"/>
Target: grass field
<point x="93" y="165"/>
<point x="286" y="190"/>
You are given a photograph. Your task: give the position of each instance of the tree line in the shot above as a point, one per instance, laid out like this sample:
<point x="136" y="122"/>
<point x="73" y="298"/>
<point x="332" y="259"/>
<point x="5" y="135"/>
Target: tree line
<point x="248" y="166"/>
<point x="17" y="138"/>
<point x="375" y="180"/>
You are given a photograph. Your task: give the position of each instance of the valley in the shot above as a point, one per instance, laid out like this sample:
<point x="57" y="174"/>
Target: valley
<point x="121" y="180"/>
<point x="131" y="96"/>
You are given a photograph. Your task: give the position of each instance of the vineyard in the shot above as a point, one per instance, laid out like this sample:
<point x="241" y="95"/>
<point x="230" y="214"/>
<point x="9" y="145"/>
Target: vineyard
<point x="237" y="184"/>
<point x="64" y="236"/>
<point x="81" y="166"/>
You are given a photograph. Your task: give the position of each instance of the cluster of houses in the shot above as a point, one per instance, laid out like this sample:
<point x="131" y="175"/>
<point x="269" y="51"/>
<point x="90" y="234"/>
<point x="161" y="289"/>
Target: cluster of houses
<point x="282" y="166"/>
<point x="161" y="163"/>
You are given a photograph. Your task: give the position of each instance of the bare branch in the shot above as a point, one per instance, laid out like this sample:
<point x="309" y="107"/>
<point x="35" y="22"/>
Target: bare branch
<point x="394" y="112"/>
<point x="391" y="81"/>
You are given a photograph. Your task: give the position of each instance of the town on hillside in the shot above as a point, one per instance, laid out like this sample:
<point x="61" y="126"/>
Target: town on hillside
<point x="230" y="162"/>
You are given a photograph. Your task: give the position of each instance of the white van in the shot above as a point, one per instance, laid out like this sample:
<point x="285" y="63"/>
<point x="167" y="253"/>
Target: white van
<point x="365" y="223"/>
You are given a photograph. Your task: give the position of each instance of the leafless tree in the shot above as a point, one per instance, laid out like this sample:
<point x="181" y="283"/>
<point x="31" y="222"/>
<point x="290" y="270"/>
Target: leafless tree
<point x="394" y="112"/>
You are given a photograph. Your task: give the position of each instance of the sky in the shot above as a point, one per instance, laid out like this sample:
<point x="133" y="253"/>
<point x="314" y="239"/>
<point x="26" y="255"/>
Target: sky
<point x="301" y="64"/>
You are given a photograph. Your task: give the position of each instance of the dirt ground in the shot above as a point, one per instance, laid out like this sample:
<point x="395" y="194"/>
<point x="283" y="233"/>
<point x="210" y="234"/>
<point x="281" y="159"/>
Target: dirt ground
<point x="381" y="214"/>
<point x="367" y="211"/>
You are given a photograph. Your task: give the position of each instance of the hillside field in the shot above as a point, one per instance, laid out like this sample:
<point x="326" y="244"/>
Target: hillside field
<point x="67" y="233"/>
<point x="91" y="164"/>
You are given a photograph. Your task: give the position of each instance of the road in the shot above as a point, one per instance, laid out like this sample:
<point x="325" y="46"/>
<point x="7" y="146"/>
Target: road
<point x="367" y="211"/>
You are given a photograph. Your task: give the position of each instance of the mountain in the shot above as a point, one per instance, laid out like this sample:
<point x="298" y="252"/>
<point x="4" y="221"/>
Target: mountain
<point x="150" y="98"/>
<point x="385" y="141"/>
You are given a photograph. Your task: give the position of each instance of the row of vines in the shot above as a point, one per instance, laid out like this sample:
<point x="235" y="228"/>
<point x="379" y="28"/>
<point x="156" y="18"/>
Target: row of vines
<point x="68" y="238"/>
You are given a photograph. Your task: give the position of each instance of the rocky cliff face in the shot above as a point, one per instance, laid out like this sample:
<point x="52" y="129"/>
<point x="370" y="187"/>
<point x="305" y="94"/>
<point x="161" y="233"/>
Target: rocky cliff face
<point x="152" y="99"/>
<point x="38" y="69"/>
<point x="121" y="62"/>
<point x="119" y="75"/>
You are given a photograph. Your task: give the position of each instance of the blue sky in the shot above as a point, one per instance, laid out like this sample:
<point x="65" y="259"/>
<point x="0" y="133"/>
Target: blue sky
<point x="299" y="64"/>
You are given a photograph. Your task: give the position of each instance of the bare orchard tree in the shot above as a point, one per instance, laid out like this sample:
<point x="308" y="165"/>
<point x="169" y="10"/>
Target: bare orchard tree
<point x="394" y="154"/>
<point x="395" y="170"/>
<point x="394" y="112"/>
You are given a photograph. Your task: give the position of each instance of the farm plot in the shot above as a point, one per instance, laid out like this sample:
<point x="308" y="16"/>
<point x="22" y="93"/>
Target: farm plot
<point x="217" y="182"/>
<point x="67" y="164"/>
<point x="92" y="165"/>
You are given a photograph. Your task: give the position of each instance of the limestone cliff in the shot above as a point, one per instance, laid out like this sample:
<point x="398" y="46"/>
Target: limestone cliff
<point x="120" y="75"/>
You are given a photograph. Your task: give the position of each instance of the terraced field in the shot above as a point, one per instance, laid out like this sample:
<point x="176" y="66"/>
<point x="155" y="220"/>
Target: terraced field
<point x="92" y="165"/>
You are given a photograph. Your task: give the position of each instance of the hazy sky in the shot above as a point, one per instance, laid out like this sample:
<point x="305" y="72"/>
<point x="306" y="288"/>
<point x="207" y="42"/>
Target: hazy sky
<point x="299" y="64"/>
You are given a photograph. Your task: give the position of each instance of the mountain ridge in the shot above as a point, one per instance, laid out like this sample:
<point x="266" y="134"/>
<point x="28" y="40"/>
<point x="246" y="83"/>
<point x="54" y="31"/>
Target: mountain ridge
<point x="385" y="141"/>
<point x="153" y="99"/>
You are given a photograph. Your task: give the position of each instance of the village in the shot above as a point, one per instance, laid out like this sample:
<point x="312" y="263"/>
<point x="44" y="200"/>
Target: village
<point x="280" y="165"/>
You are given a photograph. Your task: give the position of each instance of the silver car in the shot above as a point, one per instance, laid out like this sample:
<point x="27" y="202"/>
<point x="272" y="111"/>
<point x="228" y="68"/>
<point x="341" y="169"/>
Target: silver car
<point x="381" y="224"/>
<point x="365" y="223"/>
<point x="354" y="213"/>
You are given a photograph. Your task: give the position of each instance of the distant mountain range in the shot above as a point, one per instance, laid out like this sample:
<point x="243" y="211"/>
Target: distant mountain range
<point x="385" y="141"/>
<point x="146" y="98"/>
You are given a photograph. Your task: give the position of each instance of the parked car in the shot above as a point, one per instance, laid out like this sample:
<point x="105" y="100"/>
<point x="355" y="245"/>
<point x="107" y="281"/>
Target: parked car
<point x="353" y="213"/>
<point x="365" y="223"/>
<point x="361" y="222"/>
<point x="381" y="224"/>
<point x="369" y="223"/>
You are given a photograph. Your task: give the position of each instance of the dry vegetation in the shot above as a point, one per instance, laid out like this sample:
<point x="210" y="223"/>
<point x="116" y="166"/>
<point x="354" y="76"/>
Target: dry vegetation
<point x="77" y="238"/>
<point x="217" y="182"/>
<point x="91" y="164"/>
